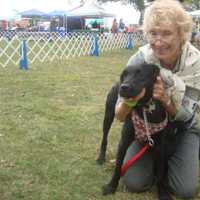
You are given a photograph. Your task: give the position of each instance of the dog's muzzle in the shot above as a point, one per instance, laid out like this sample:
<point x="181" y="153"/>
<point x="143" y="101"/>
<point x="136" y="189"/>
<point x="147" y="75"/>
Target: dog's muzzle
<point x="128" y="91"/>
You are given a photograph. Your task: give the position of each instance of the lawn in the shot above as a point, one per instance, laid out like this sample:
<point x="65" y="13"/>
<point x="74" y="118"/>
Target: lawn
<point x="51" y="128"/>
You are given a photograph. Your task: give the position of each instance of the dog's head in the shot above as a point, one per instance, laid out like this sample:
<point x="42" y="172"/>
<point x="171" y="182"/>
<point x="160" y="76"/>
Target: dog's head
<point x="136" y="77"/>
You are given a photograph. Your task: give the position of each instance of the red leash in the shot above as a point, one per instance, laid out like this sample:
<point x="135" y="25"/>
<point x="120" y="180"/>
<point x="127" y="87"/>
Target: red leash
<point x="134" y="158"/>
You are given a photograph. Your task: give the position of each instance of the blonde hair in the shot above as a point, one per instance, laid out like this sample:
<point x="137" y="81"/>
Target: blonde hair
<point x="163" y="13"/>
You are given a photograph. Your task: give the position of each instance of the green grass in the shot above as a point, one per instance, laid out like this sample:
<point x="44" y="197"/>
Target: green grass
<point x="51" y="128"/>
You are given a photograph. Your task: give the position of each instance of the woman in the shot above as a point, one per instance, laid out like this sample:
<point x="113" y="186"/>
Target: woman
<point x="167" y="28"/>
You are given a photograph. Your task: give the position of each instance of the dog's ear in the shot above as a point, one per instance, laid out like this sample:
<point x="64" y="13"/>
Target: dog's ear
<point x="156" y="71"/>
<point x="155" y="68"/>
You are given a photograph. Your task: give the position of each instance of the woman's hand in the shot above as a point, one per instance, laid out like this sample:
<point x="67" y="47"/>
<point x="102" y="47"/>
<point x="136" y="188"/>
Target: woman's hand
<point x="160" y="94"/>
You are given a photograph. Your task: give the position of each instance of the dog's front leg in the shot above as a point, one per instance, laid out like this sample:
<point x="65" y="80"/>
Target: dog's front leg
<point x="108" y="120"/>
<point x="126" y="139"/>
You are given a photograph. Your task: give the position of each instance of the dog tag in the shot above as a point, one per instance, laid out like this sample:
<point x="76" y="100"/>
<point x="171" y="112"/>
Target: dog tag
<point x="151" y="107"/>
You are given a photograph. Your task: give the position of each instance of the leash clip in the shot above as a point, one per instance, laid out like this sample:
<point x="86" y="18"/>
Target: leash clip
<point x="150" y="142"/>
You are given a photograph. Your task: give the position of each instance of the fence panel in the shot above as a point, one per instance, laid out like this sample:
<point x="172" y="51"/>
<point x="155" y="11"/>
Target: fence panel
<point x="9" y="51"/>
<point x="50" y="46"/>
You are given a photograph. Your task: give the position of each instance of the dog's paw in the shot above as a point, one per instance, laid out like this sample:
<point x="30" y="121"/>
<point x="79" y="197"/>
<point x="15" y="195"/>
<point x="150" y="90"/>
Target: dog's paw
<point x="108" y="189"/>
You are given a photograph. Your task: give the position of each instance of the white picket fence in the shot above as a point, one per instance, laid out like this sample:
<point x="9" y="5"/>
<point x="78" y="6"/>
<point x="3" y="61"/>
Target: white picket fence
<point x="51" y="46"/>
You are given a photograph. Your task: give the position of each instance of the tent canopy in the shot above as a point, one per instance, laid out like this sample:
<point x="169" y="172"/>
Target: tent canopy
<point x="58" y="13"/>
<point x="32" y="12"/>
<point x="91" y="10"/>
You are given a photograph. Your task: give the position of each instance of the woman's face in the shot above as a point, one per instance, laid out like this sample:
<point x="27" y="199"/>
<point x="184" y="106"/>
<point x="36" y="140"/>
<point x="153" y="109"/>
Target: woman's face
<point x="165" y="42"/>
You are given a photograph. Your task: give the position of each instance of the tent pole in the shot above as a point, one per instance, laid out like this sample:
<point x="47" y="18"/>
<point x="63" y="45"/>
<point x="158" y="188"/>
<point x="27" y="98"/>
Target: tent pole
<point x="66" y="22"/>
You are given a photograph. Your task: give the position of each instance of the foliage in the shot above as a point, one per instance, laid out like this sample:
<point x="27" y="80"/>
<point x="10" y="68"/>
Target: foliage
<point x="138" y="5"/>
<point x="191" y="4"/>
<point x="195" y="3"/>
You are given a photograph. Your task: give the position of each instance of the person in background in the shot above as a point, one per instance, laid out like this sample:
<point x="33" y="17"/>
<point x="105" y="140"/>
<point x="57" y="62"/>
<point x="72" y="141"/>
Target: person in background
<point x="121" y="25"/>
<point x="114" y="28"/>
<point x="131" y="28"/>
<point x="167" y="28"/>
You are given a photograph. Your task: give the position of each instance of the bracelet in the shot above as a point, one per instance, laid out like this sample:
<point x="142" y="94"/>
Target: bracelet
<point x="130" y="103"/>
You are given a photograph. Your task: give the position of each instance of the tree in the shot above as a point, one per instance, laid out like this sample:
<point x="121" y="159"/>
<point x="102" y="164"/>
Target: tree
<point x="194" y="3"/>
<point x="138" y="5"/>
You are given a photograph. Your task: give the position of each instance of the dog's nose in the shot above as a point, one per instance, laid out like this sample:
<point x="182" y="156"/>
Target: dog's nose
<point x="124" y="86"/>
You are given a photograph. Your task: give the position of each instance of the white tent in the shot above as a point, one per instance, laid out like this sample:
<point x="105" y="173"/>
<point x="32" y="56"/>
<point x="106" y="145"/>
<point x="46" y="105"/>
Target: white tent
<point x="195" y="13"/>
<point x="90" y="10"/>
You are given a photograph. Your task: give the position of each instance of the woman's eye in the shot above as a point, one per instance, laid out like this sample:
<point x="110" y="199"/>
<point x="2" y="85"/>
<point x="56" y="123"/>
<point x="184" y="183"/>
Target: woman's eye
<point x="167" y="33"/>
<point x="153" y="33"/>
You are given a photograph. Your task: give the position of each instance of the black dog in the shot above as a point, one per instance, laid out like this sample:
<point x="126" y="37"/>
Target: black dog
<point x="133" y="79"/>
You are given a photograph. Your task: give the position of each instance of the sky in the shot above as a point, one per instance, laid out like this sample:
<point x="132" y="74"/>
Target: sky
<point x="126" y="12"/>
<point x="11" y="8"/>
